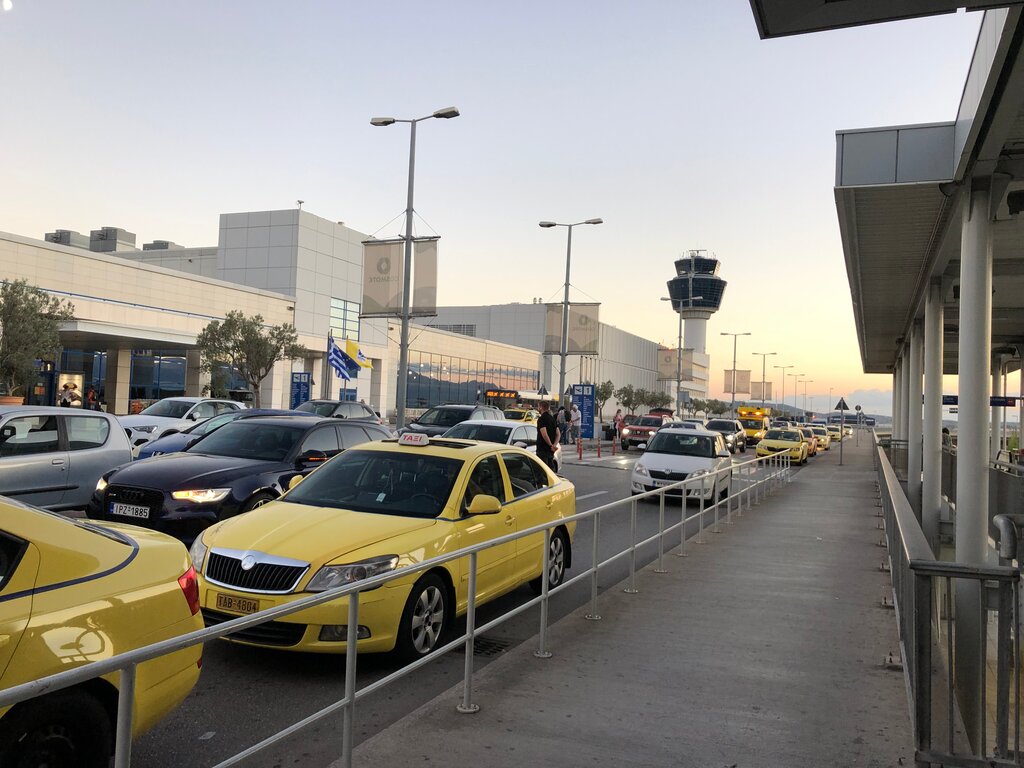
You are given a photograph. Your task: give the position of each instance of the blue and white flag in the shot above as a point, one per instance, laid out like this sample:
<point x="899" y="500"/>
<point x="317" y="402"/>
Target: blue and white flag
<point x="336" y="359"/>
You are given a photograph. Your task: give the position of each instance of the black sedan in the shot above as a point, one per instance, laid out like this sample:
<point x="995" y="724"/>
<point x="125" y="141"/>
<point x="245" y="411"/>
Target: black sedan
<point x="234" y="469"/>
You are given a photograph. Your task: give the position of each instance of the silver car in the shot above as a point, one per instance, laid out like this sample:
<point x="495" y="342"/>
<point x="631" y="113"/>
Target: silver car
<point x="53" y="457"/>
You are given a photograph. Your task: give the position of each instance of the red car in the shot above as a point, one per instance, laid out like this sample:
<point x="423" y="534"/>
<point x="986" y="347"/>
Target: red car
<point x="641" y="430"/>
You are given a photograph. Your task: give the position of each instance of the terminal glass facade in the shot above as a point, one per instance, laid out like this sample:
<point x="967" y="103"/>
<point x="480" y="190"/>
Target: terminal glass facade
<point x="345" y="319"/>
<point x="437" y="379"/>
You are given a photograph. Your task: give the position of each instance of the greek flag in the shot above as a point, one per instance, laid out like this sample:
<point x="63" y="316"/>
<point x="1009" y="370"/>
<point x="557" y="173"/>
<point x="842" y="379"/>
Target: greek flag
<point x="336" y="359"/>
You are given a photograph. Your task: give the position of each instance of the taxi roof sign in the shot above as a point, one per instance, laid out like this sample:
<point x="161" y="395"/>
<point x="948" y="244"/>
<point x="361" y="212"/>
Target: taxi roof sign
<point x="414" y="438"/>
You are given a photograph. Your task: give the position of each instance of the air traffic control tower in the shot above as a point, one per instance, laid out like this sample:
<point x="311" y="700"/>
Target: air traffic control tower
<point x="696" y="292"/>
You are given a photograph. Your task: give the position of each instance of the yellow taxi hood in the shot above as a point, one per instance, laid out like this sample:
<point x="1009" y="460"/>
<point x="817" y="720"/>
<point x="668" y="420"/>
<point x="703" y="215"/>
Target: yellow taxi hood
<point x="311" y="534"/>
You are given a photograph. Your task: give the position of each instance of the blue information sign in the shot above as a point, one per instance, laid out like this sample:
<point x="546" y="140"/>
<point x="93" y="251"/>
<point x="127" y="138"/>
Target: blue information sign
<point x="301" y="383"/>
<point x="995" y="401"/>
<point x="583" y="397"/>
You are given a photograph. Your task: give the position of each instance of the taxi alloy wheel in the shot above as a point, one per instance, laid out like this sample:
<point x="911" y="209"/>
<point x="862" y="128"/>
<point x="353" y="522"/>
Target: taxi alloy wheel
<point x="558" y="555"/>
<point x="424" y="618"/>
<point x="67" y="729"/>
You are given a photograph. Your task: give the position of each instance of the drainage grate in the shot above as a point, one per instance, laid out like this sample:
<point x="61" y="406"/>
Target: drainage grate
<point x="488" y="646"/>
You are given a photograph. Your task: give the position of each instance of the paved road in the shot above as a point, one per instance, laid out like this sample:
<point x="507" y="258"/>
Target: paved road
<point x="246" y="694"/>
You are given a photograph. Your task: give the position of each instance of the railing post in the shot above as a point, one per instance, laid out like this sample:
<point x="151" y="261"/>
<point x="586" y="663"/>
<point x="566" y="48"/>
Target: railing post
<point x="125" y="704"/>
<point x="467" y="707"/>
<point x="682" y="535"/>
<point x="351" y="651"/>
<point x="661" y="534"/>
<point x="750" y="488"/>
<point x="631" y="589"/>
<point x="700" y="518"/>
<point x="922" y="667"/>
<point x="1003" y="669"/>
<point x="728" y="500"/>
<point x="715" y="502"/>
<point x="542" y="652"/>
<point x="593" y="615"/>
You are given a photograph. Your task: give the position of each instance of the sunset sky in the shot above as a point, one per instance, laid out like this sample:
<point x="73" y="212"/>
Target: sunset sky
<point x="671" y="120"/>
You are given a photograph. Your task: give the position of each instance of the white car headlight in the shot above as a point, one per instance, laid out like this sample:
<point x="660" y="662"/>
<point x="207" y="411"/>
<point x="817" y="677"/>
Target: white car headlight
<point x="698" y="472"/>
<point x="146" y="428"/>
<point x="625" y="430"/>
<point x="101" y="484"/>
<point x="198" y="553"/>
<point x="333" y="576"/>
<point x="201" y="496"/>
<point x="640" y="469"/>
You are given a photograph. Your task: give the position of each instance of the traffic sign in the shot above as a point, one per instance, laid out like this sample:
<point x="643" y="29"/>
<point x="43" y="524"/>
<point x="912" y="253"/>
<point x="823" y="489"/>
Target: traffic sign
<point x="841" y="405"/>
<point x="856" y="407"/>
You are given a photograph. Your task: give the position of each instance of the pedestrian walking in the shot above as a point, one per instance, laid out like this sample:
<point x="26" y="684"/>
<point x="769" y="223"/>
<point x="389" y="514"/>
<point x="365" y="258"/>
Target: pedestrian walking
<point x="575" y="423"/>
<point x="563" y="425"/>
<point x="617" y="423"/>
<point x="547" y="435"/>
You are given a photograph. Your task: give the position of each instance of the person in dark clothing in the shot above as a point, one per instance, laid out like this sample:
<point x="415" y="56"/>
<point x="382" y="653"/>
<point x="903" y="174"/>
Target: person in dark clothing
<point x="547" y="436"/>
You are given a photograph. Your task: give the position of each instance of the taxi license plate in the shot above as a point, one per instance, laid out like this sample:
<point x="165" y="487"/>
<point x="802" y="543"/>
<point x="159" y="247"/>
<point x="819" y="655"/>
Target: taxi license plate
<point x="129" y="510"/>
<point x="237" y="604"/>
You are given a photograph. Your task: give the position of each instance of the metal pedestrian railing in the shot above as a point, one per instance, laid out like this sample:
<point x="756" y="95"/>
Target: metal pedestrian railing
<point x="926" y="594"/>
<point x="750" y="482"/>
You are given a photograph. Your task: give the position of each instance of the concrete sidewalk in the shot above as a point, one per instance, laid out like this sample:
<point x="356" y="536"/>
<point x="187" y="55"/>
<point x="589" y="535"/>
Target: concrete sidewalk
<point x="766" y="647"/>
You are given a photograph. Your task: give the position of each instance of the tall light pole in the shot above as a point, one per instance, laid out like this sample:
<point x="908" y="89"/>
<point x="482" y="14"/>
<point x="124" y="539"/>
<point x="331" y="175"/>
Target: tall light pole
<point x="805" y="382"/>
<point x="403" y="350"/>
<point x="565" y="299"/>
<point x="784" y="375"/>
<point x="679" y="356"/>
<point x="795" y="377"/>
<point x="764" y="375"/>
<point x="735" y="336"/>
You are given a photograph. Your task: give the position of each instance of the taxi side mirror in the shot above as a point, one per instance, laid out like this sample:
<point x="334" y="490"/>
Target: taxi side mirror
<point x="294" y="481"/>
<point x="483" y="504"/>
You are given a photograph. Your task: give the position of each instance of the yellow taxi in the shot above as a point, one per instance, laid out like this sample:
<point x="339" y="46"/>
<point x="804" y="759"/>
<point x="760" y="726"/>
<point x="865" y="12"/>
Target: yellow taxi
<point x="824" y="439"/>
<point x="835" y="432"/>
<point x="525" y="415"/>
<point x="73" y="592"/>
<point x="375" y="508"/>
<point x="785" y="439"/>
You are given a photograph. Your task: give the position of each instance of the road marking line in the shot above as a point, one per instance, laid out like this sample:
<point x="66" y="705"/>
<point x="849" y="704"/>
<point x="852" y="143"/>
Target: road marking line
<point x="591" y="495"/>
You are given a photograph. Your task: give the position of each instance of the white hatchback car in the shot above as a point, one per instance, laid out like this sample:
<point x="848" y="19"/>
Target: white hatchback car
<point x="170" y="415"/>
<point x="502" y="431"/>
<point x="676" y="454"/>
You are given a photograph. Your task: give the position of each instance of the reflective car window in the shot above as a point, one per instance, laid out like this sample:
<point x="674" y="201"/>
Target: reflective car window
<point x="11" y="549"/>
<point x="320" y="409"/>
<point x="443" y="417"/>
<point x="489" y="433"/>
<point x="485" y="479"/>
<point x="324" y="439"/>
<point x="204" y="410"/>
<point x="525" y="475"/>
<point x="649" y="421"/>
<point x="352" y="435"/>
<point x="171" y="409"/>
<point x="404" y="483"/>
<point x="86" y="432"/>
<point x="25" y="435"/>
<point x="246" y="439"/>
<point x="211" y="424"/>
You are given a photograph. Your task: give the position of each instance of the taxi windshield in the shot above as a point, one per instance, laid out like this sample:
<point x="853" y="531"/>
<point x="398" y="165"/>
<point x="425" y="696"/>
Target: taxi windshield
<point x="782" y="434"/>
<point x="401" y="483"/>
<point x="752" y="423"/>
<point x="682" y="444"/>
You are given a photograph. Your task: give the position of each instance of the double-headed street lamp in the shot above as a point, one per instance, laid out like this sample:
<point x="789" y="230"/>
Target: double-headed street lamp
<point x="805" y="382"/>
<point x="784" y="375"/>
<point x="403" y="350"/>
<point x="796" y="380"/>
<point x="764" y="375"/>
<point x="732" y="403"/>
<point x="679" y="354"/>
<point x="565" y="299"/>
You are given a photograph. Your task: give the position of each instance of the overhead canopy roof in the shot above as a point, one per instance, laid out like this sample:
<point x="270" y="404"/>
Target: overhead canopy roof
<point x="777" y="18"/>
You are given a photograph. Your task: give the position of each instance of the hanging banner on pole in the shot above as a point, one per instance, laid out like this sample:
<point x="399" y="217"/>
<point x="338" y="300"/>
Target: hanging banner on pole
<point x="760" y="390"/>
<point x="383" y="284"/>
<point x="583" y="333"/>
<point x="668" y="367"/>
<point x="742" y="386"/>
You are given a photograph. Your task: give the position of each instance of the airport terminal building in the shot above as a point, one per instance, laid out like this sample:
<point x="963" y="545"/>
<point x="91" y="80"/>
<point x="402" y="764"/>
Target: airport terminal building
<point x="138" y="312"/>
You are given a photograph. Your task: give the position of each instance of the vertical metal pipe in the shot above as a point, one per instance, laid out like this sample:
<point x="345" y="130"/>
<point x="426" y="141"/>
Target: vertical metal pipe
<point x="715" y="502"/>
<point x="593" y="615"/>
<point x="565" y="319"/>
<point x="682" y="527"/>
<point x="542" y="651"/>
<point x="749" y="487"/>
<point x="931" y="487"/>
<point x="972" y="487"/>
<point x="700" y="517"/>
<point x="922" y="664"/>
<point x="351" y="651"/>
<point x="1003" y="668"/>
<point x="125" y="713"/>
<point x="914" y="424"/>
<point x="467" y="707"/>
<point x="661" y="534"/>
<point x="403" y="349"/>
<point x="631" y="589"/>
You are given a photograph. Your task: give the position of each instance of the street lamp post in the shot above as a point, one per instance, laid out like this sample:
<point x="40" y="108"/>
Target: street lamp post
<point x="735" y="336"/>
<point x="565" y="299"/>
<point x="764" y="375"/>
<point x="795" y="377"/>
<point x="403" y="350"/>
<point x="805" y="382"/>
<point x="679" y="355"/>
<point x="784" y="375"/>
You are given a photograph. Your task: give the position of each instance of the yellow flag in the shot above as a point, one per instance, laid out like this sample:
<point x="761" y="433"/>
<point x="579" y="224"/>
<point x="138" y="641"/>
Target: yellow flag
<point x="353" y="351"/>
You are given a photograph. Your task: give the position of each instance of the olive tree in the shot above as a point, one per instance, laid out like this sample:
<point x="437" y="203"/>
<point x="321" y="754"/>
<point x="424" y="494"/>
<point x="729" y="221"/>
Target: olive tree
<point x="30" y="322"/>
<point x="629" y="398"/>
<point x="249" y="346"/>
<point x="602" y="394"/>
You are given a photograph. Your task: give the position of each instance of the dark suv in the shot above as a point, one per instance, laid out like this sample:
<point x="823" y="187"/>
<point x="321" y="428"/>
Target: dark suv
<point x="441" y="418"/>
<point x="341" y="409"/>
<point x="733" y="432"/>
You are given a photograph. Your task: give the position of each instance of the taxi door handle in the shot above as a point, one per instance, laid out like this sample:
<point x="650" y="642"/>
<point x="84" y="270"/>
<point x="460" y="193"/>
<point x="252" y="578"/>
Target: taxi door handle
<point x="509" y="520"/>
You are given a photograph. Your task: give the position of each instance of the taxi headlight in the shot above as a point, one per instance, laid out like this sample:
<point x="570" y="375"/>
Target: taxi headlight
<point x="198" y="553"/>
<point x="640" y="469"/>
<point x="201" y="496"/>
<point x="334" y="576"/>
<point x="101" y="484"/>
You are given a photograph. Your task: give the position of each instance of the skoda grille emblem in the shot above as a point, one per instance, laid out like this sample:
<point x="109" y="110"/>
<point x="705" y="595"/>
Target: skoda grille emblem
<point x="248" y="562"/>
<point x="384" y="265"/>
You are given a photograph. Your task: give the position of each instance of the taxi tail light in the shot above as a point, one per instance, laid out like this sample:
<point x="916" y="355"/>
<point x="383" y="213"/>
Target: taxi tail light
<point x="190" y="587"/>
